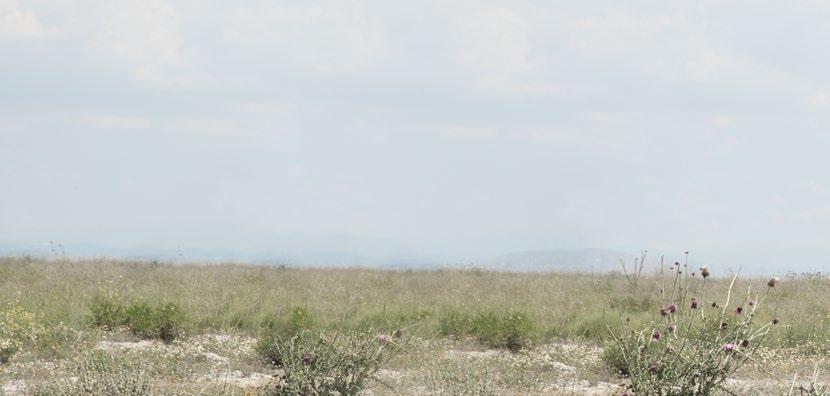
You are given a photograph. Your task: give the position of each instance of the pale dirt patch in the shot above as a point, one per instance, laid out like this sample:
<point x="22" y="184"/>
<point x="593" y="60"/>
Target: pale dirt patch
<point x="583" y="387"/>
<point x="118" y="346"/>
<point x="238" y="378"/>
<point x="490" y="353"/>
<point x="16" y="387"/>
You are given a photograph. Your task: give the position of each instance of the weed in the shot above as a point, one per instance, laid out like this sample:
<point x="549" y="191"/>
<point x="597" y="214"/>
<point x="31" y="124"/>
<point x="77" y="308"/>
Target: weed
<point x="98" y="373"/>
<point x="314" y="364"/>
<point x="689" y="349"/>
<point x="512" y="330"/>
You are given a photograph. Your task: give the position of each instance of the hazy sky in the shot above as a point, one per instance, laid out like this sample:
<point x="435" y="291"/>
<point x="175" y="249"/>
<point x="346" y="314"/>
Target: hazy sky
<point x="437" y="128"/>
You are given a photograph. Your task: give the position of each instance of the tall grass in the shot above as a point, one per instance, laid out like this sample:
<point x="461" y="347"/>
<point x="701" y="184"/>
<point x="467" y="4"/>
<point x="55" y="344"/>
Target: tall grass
<point x="427" y="303"/>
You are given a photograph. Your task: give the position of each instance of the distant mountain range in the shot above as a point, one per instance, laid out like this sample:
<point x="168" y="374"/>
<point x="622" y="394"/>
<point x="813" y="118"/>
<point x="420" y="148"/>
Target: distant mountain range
<point x="586" y="260"/>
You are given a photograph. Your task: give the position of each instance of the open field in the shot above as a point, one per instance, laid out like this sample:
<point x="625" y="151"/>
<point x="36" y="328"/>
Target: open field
<point x="459" y="331"/>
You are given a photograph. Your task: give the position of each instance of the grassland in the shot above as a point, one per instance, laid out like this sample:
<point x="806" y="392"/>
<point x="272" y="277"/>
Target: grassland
<point x="468" y="331"/>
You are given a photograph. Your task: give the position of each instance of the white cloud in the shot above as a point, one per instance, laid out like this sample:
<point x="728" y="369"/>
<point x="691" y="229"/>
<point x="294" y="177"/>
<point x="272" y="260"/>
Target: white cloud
<point x="146" y="34"/>
<point x="109" y="121"/>
<point x="492" y="45"/>
<point x="18" y="24"/>
<point x="329" y="36"/>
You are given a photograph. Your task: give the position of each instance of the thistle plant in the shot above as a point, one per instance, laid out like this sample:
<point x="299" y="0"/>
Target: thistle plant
<point x="690" y="348"/>
<point x="315" y="364"/>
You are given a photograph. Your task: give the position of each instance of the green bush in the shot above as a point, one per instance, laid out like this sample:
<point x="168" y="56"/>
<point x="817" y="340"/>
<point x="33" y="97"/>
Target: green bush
<point x="169" y="322"/>
<point x="19" y="328"/>
<point x="512" y="330"/>
<point x="140" y="318"/>
<point x="8" y="347"/>
<point x="453" y="322"/>
<point x="292" y="322"/>
<point x="106" y="311"/>
<point x="164" y="321"/>
<point x="314" y="364"/>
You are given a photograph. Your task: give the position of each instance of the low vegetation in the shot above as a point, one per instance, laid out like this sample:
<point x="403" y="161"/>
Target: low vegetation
<point x="96" y="323"/>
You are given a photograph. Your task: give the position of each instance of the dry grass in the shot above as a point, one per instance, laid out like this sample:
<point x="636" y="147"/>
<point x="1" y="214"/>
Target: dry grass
<point x="566" y="312"/>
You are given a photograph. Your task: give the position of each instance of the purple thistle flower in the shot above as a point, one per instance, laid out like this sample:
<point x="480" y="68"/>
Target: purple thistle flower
<point x="739" y="310"/>
<point x="383" y="338"/>
<point x="657" y="335"/>
<point x="308" y="358"/>
<point x="673" y="308"/>
<point x="654" y="367"/>
<point x="694" y="303"/>
<point x="728" y="348"/>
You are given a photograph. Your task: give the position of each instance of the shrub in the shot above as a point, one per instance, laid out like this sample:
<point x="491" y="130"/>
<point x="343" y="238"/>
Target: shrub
<point x="314" y="364"/>
<point x="512" y="330"/>
<point x="106" y="312"/>
<point x="98" y="373"/>
<point x="164" y="322"/>
<point x="8" y="347"/>
<point x="139" y="317"/>
<point x="18" y="327"/>
<point x="690" y="347"/>
<point x="453" y="322"/>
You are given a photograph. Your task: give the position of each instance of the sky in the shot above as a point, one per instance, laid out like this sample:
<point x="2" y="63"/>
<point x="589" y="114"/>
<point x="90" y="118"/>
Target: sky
<point x="444" y="129"/>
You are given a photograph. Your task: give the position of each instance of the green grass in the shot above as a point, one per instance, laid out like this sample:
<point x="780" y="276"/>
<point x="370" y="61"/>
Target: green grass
<point x="431" y="304"/>
<point x="56" y="314"/>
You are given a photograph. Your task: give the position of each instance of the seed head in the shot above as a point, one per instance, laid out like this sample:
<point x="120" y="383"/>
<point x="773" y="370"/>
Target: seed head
<point x="663" y="312"/>
<point x="751" y="302"/>
<point x="671" y="328"/>
<point x="772" y="281"/>
<point x="744" y="343"/>
<point x="704" y="271"/>
<point x="775" y="320"/>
